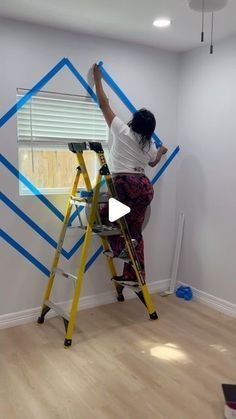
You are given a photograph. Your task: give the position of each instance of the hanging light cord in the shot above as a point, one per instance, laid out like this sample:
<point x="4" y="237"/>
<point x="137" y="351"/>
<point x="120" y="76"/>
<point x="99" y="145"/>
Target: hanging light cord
<point x="212" y="31"/>
<point x="203" y="15"/>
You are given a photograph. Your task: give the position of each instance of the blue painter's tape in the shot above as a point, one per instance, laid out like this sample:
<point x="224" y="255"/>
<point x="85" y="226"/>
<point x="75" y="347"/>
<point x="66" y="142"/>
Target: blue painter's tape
<point x="36" y="191"/>
<point x="27" y="219"/>
<point x="99" y="250"/>
<point x="165" y="165"/>
<point x="74" y="215"/>
<point x="76" y="247"/>
<point x="154" y="180"/>
<point x="31" y="187"/>
<point x="24" y="252"/>
<point x="122" y="96"/>
<point x="33" y="91"/>
<point x="22" y="102"/>
<point x="116" y="89"/>
<point x="38" y="229"/>
<point x="93" y="258"/>
<point x="81" y="80"/>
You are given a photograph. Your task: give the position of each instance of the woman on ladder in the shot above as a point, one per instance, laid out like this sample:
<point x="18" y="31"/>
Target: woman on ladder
<point x="131" y="151"/>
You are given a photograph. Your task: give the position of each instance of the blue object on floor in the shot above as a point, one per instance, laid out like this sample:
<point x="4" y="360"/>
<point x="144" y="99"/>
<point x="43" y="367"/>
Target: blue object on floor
<point x="184" y="292"/>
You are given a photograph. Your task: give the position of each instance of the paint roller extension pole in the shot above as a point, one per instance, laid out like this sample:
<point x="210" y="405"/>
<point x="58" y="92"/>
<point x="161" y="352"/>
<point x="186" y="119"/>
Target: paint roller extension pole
<point x="175" y="265"/>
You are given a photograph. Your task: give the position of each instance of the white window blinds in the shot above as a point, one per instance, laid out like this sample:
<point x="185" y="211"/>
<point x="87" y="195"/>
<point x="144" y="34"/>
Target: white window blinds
<point x="59" y="119"/>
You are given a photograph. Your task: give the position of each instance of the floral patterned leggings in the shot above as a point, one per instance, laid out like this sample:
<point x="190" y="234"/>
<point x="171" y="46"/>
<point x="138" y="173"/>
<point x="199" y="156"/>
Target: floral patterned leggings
<point x="136" y="191"/>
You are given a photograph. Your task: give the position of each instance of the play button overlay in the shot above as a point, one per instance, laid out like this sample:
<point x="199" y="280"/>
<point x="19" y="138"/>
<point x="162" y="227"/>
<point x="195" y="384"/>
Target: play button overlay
<point x="116" y="209"/>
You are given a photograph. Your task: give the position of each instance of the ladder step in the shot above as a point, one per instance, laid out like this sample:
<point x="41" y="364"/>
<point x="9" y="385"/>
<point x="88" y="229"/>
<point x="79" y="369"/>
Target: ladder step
<point x="82" y="228"/>
<point x="57" y="309"/>
<point x="75" y="227"/>
<point x="126" y="285"/>
<point x="86" y="197"/>
<point x="98" y="230"/>
<point x="106" y="231"/>
<point x="110" y="255"/>
<point x="76" y="200"/>
<point x="65" y="274"/>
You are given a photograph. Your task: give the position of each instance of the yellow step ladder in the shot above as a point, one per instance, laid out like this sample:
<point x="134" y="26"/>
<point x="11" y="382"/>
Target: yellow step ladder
<point x="92" y="197"/>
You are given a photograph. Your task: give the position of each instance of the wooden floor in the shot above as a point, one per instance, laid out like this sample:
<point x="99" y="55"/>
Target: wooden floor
<point x="121" y="364"/>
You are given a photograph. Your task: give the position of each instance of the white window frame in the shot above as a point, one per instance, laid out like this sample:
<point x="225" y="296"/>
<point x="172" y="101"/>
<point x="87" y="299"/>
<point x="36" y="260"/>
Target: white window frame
<point x="29" y="142"/>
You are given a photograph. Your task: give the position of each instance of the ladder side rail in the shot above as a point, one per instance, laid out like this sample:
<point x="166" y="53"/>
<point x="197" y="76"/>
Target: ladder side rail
<point x="83" y="260"/>
<point x="126" y="234"/>
<point x="84" y="171"/>
<point x="61" y="238"/>
<point x="97" y="147"/>
<point x="122" y="221"/>
<point x="112" y="269"/>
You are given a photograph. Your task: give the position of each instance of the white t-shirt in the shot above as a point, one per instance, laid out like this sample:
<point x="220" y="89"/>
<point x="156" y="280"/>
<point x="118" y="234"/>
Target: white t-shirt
<point x="126" y="154"/>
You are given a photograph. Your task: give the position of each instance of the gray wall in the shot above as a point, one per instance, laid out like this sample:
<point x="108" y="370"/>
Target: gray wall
<point x="206" y="174"/>
<point x="149" y="77"/>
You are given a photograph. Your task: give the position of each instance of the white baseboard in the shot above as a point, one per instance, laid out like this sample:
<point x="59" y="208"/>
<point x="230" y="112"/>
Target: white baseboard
<point x="31" y="315"/>
<point x="214" y="302"/>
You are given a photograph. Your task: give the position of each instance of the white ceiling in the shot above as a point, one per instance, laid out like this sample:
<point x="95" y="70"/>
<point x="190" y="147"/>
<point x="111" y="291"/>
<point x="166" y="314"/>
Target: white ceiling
<point x="125" y="19"/>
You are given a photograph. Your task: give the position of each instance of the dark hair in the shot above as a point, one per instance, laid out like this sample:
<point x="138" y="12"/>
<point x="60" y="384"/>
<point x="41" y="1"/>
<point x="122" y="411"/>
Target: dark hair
<point x="144" y="124"/>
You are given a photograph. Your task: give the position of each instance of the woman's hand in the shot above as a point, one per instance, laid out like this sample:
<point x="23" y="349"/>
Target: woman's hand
<point x="160" y="152"/>
<point x="102" y="99"/>
<point x="163" y="150"/>
<point x="96" y="73"/>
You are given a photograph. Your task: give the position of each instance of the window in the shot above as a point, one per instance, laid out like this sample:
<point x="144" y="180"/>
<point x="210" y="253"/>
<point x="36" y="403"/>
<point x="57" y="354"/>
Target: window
<point x="45" y="125"/>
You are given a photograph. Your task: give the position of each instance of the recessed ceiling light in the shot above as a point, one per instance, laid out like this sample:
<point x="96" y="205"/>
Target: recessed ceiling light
<point x="162" y="22"/>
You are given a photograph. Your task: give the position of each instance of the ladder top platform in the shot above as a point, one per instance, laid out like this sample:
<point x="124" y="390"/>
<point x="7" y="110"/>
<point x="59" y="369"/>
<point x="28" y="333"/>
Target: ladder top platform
<point x="79" y="147"/>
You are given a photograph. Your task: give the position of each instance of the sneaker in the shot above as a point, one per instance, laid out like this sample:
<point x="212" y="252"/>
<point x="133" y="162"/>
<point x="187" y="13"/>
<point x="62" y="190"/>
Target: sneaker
<point x="124" y="254"/>
<point x="125" y="282"/>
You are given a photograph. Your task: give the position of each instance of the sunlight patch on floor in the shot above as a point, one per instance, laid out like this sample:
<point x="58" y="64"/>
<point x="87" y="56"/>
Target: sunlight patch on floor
<point x="169" y="352"/>
<point x="219" y="348"/>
